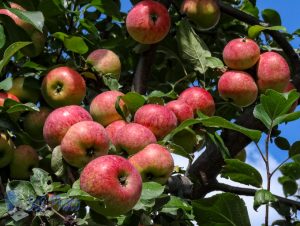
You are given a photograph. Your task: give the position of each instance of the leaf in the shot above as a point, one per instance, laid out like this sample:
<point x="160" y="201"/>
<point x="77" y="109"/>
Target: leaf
<point x="41" y="182"/>
<point x="2" y="36"/>
<point x="176" y="203"/>
<point x="291" y="169"/>
<point x="178" y="150"/>
<point x="33" y="65"/>
<point x="263" y="197"/>
<point x="159" y="94"/>
<point x="73" y="43"/>
<point x="109" y="8"/>
<point x="282" y="143"/>
<point x="62" y="202"/>
<point x="6" y="84"/>
<point x="249" y="8"/>
<point x="59" y="187"/>
<point x="151" y="190"/>
<point x="218" y="141"/>
<point x="255" y="30"/>
<point x="81" y="195"/>
<point x="34" y="18"/>
<point x="214" y="62"/>
<point x="14" y="106"/>
<point x="3" y="208"/>
<point x="289" y="185"/>
<point x="221" y="209"/>
<point x="271" y="16"/>
<point x="57" y="164"/>
<point x="133" y="101"/>
<point x="111" y="83"/>
<point x="294" y="149"/>
<point x="241" y="172"/>
<point x="10" y="51"/>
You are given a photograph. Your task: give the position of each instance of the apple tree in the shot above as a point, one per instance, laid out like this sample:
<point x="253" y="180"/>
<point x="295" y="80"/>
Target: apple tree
<point x="96" y="101"/>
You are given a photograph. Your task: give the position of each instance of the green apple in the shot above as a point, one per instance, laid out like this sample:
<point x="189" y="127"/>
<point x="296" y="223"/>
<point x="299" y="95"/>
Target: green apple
<point x="7" y="148"/>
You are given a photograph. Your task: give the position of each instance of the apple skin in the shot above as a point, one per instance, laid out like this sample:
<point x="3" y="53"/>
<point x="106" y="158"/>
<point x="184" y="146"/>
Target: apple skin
<point x="105" y="61"/>
<point x="181" y="109"/>
<point x="154" y="162"/>
<point x="241" y="53"/>
<point x="83" y="142"/>
<point x="112" y="130"/>
<point x="7" y="148"/>
<point x="103" y="108"/>
<point x="24" y="160"/>
<point x="288" y="88"/>
<point x="159" y="119"/>
<point x="63" y="86"/>
<point x="148" y="22"/>
<point x="24" y="93"/>
<point x="134" y="137"/>
<point x="273" y="72"/>
<point x="34" y="122"/>
<point x="60" y="120"/>
<point x="113" y="179"/>
<point x="239" y="87"/>
<point x="205" y="13"/>
<point x="4" y="96"/>
<point x="198" y="99"/>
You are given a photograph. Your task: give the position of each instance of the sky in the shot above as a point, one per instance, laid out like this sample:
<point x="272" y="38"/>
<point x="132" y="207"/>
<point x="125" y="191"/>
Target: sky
<point x="289" y="11"/>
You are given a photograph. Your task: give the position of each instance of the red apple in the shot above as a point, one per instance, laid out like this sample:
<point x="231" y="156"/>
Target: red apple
<point x="103" y="107"/>
<point x="114" y="180"/>
<point x="238" y="87"/>
<point x="241" y="53"/>
<point x="7" y="149"/>
<point x="105" y="62"/>
<point x="60" y="120"/>
<point x="288" y="88"/>
<point x="198" y="99"/>
<point x="273" y="72"/>
<point x="83" y="142"/>
<point x="154" y="162"/>
<point x="134" y="137"/>
<point x="63" y="86"/>
<point x="148" y="22"/>
<point x="4" y="96"/>
<point x="205" y="13"/>
<point x="159" y="119"/>
<point x="112" y="130"/>
<point x="181" y="109"/>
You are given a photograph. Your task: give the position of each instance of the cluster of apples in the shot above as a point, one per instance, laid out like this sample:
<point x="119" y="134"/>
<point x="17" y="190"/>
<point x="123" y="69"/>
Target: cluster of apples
<point x="238" y="85"/>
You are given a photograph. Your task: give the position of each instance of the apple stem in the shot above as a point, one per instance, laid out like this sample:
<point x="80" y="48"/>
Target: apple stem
<point x="153" y="17"/>
<point x="90" y="152"/>
<point x="122" y="180"/>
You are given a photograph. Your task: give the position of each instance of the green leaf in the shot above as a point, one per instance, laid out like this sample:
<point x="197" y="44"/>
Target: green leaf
<point x="214" y="62"/>
<point x="178" y="150"/>
<point x="271" y="16"/>
<point x="2" y="36"/>
<point x="291" y="169"/>
<point x="34" y="18"/>
<point x="33" y="65"/>
<point x="241" y="172"/>
<point x="151" y="190"/>
<point x="10" y="51"/>
<point x="109" y="8"/>
<point x="176" y="203"/>
<point x="294" y="149"/>
<point x="133" y="101"/>
<point x="3" y="208"/>
<point x="111" y="83"/>
<point x="59" y="187"/>
<point x="73" y="43"/>
<point x="159" y="94"/>
<point x="287" y="118"/>
<point x="263" y="197"/>
<point x="255" y="30"/>
<point x="57" y="164"/>
<point x="218" y="141"/>
<point x="221" y="209"/>
<point x="6" y="84"/>
<point x="249" y="8"/>
<point x="41" y="182"/>
<point x="14" y="106"/>
<point x="81" y="195"/>
<point x="282" y="143"/>
<point x="289" y="185"/>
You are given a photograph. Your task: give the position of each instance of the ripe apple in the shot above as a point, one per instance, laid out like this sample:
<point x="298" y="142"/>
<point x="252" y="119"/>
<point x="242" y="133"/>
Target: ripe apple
<point x="198" y="99"/>
<point x="112" y="130"/>
<point x="273" y="72"/>
<point x="24" y="92"/>
<point x="181" y="109"/>
<point x="159" y="119"/>
<point x="7" y="148"/>
<point x="83" y="142"/>
<point x="4" y="96"/>
<point x="114" y="180"/>
<point x="154" y="162"/>
<point x="63" y="86"/>
<point x="25" y="158"/>
<point x="60" y="120"/>
<point x="288" y="88"/>
<point x="238" y="87"/>
<point x="103" y="108"/>
<point x="241" y="53"/>
<point x="205" y="13"/>
<point x="134" y="137"/>
<point x="105" y="62"/>
<point x="148" y="22"/>
<point x="34" y="122"/>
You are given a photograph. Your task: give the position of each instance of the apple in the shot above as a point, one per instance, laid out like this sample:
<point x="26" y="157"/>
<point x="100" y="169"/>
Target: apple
<point x="198" y="99"/>
<point x="148" y="22"/>
<point x="7" y="148"/>
<point x="4" y="96"/>
<point x="205" y="13"/>
<point x="288" y="88"/>
<point x="34" y="122"/>
<point x="241" y="53"/>
<point x="181" y="109"/>
<point x="238" y="87"/>
<point x="105" y="62"/>
<point x="114" y="180"/>
<point x="103" y="108"/>
<point x="159" y="119"/>
<point x="60" y="120"/>
<point x="63" y="86"/>
<point x="24" y="160"/>
<point x="83" y="142"/>
<point x="24" y="92"/>
<point x="112" y="130"/>
<point x="154" y="162"/>
<point x="134" y="137"/>
<point x="273" y="72"/>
